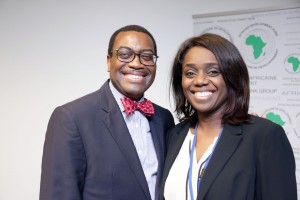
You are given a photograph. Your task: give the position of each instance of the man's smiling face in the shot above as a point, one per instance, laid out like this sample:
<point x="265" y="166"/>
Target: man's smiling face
<point x="131" y="79"/>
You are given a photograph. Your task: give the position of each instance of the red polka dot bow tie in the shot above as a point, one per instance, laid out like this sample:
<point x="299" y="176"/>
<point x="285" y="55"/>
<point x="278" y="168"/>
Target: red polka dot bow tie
<point x="130" y="106"/>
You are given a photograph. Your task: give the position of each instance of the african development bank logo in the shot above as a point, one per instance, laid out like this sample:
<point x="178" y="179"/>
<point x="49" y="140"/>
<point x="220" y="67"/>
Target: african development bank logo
<point x="280" y="117"/>
<point x="258" y="45"/>
<point x="292" y="63"/>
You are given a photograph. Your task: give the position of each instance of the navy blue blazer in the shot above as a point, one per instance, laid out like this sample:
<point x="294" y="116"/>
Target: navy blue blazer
<point x="251" y="161"/>
<point x="89" y="154"/>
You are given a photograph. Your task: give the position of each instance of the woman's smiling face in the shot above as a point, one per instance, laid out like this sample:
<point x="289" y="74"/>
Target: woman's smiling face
<point x="202" y="83"/>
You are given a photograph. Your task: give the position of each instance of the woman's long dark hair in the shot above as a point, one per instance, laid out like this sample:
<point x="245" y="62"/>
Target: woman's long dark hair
<point x="233" y="70"/>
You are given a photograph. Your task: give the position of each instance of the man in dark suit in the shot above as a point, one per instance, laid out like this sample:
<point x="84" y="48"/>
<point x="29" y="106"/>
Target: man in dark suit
<point x="97" y="149"/>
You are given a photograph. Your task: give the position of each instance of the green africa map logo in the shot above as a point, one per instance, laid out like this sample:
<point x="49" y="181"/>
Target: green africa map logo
<point x="258" y="45"/>
<point x="280" y="117"/>
<point x="292" y="63"/>
<point x="275" y="118"/>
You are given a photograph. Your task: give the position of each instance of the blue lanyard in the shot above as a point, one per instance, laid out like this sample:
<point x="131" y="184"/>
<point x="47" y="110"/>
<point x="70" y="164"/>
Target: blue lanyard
<point x="191" y="163"/>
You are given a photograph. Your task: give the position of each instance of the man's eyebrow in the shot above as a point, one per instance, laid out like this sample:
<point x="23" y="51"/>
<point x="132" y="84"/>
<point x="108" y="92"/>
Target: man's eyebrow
<point x="143" y="50"/>
<point x="125" y="47"/>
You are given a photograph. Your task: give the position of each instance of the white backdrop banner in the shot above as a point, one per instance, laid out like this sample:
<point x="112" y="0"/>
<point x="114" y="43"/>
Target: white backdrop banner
<point x="269" y="41"/>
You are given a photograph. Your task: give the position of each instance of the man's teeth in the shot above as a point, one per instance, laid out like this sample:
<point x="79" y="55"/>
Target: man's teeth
<point x="203" y="94"/>
<point x="135" y="76"/>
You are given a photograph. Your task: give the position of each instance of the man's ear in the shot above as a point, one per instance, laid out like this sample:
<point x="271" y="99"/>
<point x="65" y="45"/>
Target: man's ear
<point x="108" y="62"/>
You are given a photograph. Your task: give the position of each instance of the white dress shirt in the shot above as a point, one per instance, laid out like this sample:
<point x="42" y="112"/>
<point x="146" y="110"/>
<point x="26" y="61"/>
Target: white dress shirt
<point x="140" y="132"/>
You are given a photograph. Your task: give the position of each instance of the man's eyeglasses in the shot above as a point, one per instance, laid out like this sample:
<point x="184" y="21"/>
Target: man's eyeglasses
<point x="125" y="54"/>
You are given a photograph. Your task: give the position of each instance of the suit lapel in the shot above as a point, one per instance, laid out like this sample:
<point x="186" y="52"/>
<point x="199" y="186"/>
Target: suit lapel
<point x="118" y="129"/>
<point x="158" y="139"/>
<point x="226" y="146"/>
<point x="157" y="136"/>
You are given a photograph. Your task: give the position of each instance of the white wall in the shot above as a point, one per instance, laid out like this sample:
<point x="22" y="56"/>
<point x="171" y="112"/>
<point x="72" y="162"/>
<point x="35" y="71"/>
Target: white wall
<point x="52" y="52"/>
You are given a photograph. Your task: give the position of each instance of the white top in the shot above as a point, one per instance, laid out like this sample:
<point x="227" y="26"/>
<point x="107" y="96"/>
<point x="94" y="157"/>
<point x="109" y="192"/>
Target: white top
<point x="176" y="186"/>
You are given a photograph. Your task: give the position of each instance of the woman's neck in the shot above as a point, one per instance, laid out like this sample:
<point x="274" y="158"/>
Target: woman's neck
<point x="211" y="125"/>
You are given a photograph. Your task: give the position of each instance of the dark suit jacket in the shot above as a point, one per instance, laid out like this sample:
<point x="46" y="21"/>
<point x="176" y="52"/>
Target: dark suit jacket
<point x="89" y="154"/>
<point x="251" y="161"/>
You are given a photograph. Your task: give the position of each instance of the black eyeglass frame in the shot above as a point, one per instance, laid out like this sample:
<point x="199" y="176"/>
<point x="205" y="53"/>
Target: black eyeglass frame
<point x="135" y="54"/>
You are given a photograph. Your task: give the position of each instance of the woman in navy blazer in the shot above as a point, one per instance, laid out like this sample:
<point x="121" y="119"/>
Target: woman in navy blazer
<point x="218" y="151"/>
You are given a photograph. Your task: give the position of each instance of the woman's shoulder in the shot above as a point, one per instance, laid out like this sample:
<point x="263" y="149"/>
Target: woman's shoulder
<point x="264" y="122"/>
<point x="182" y="125"/>
<point x="263" y="126"/>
